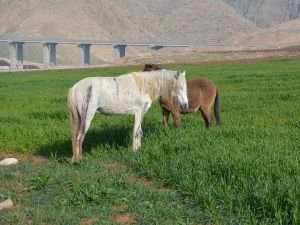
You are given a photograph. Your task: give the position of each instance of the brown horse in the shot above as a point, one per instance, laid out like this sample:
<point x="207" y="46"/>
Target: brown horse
<point x="151" y="67"/>
<point x="202" y="95"/>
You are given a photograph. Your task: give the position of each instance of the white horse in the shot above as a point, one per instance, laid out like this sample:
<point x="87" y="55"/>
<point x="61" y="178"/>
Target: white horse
<point x="129" y="94"/>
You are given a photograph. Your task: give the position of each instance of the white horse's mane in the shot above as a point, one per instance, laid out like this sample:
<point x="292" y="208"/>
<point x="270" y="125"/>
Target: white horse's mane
<point x="151" y="82"/>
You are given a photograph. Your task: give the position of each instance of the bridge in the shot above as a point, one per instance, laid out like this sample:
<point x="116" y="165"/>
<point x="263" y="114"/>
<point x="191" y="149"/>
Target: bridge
<point x="49" y="49"/>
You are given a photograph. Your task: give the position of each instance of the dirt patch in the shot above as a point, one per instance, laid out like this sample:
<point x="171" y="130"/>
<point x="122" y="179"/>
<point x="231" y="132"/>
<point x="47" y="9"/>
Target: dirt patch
<point x="131" y="178"/>
<point x="163" y="189"/>
<point x="237" y="61"/>
<point x="120" y="206"/>
<point x="224" y="56"/>
<point x="23" y="157"/>
<point x="115" y="165"/>
<point x="147" y="181"/>
<point x="88" y="220"/>
<point x="125" y="218"/>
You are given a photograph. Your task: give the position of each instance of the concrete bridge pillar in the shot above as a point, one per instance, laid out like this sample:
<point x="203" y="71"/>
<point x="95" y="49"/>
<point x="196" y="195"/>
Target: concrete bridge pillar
<point x="16" y="55"/>
<point x="119" y="51"/>
<point x="49" y="54"/>
<point x="84" y="54"/>
<point x="154" y="48"/>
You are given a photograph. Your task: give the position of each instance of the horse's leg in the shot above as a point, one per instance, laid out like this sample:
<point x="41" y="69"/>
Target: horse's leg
<point x="217" y="108"/>
<point x="75" y="126"/>
<point x="84" y="126"/>
<point x="78" y="139"/>
<point x="176" y="118"/>
<point x="77" y="154"/>
<point x="137" y="131"/>
<point x="206" y="114"/>
<point x="166" y="114"/>
<point x="88" y="110"/>
<point x="75" y="123"/>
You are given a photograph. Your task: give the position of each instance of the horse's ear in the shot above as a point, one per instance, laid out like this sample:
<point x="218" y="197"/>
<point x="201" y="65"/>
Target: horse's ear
<point x="179" y="73"/>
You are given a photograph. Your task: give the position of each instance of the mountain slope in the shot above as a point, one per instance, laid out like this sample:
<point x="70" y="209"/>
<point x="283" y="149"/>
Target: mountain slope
<point x="267" y="13"/>
<point x="193" y="21"/>
<point x="175" y="20"/>
<point x="282" y="35"/>
<point x="188" y="21"/>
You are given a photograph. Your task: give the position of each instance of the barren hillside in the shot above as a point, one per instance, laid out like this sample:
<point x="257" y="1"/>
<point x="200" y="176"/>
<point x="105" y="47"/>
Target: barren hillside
<point x="267" y="13"/>
<point x="282" y="35"/>
<point x="188" y="21"/>
<point x="176" y="20"/>
<point x="193" y="21"/>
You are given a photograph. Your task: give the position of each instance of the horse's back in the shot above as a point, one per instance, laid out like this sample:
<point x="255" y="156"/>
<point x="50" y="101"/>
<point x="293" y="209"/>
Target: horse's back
<point x="87" y="82"/>
<point x="201" y="91"/>
<point x="103" y="84"/>
<point x="110" y="95"/>
<point x="202" y="84"/>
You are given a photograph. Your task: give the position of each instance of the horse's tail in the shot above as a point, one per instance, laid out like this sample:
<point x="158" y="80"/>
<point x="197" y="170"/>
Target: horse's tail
<point x="75" y="123"/>
<point x="217" y="108"/>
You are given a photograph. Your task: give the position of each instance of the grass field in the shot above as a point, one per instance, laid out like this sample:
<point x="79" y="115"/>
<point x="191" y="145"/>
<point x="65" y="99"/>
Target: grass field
<point x="243" y="172"/>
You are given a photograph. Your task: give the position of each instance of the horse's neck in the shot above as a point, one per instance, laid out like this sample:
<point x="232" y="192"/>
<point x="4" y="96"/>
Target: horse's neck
<point x="155" y="85"/>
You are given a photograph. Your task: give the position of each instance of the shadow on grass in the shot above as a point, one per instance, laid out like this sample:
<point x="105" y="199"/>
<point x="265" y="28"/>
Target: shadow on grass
<point x="111" y="137"/>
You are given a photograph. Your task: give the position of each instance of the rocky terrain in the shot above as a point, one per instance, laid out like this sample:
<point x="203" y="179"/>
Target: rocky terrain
<point x="197" y="22"/>
<point x="267" y="13"/>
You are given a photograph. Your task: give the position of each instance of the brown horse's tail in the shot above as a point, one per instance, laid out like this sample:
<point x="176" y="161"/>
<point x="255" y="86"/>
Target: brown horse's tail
<point x="217" y="109"/>
<point x="75" y="122"/>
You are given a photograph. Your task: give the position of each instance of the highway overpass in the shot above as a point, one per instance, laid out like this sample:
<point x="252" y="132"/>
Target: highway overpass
<point x="49" y="49"/>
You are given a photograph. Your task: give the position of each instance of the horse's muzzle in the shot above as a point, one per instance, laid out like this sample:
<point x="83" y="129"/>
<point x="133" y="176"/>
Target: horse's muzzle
<point x="184" y="105"/>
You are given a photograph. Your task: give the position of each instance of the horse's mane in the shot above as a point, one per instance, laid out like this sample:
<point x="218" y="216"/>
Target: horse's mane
<point x="156" y="83"/>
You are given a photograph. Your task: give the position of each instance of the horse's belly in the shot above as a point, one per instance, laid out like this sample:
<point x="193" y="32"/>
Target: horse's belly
<point x="117" y="107"/>
<point x="115" y="111"/>
<point x="189" y="110"/>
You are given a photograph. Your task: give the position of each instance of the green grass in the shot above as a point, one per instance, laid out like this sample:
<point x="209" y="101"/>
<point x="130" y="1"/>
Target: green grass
<point x="244" y="172"/>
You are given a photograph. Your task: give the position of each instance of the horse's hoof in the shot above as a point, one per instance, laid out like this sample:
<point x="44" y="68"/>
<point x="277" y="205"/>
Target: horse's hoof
<point x="135" y="149"/>
<point x="75" y="159"/>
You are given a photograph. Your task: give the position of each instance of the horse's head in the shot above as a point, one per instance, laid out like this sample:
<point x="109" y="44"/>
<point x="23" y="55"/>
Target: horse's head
<point x="179" y="93"/>
<point x="151" y="67"/>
